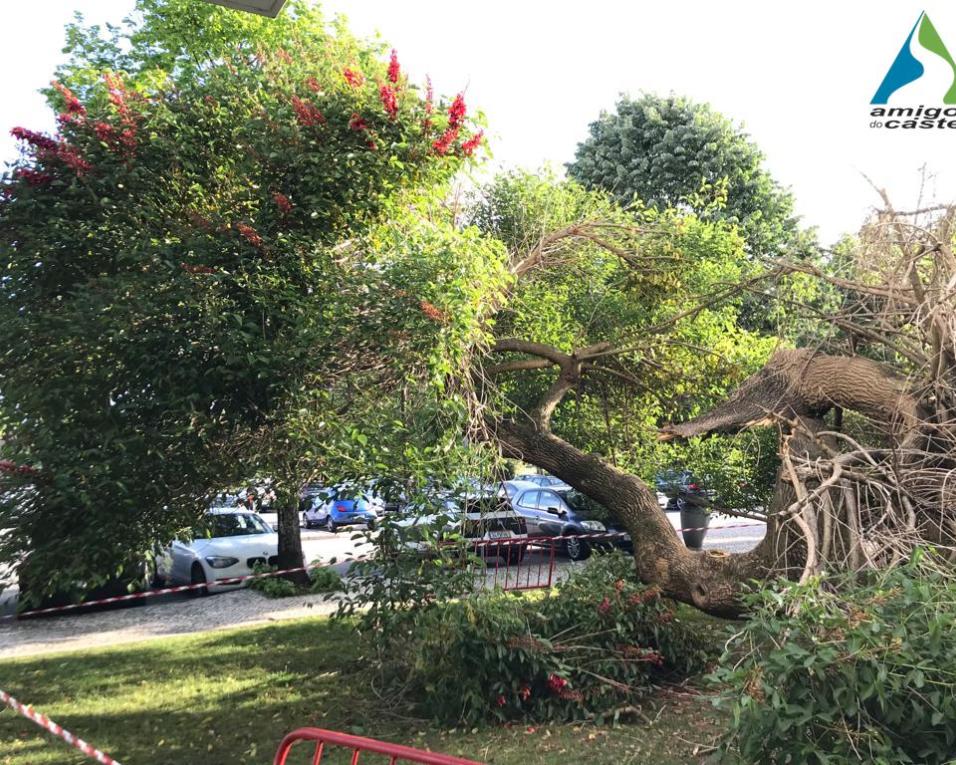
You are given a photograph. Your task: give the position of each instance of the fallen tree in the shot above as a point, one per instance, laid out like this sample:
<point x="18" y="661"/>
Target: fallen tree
<point x="864" y="418"/>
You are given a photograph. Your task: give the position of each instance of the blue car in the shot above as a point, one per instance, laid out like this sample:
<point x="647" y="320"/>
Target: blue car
<point x="340" y="506"/>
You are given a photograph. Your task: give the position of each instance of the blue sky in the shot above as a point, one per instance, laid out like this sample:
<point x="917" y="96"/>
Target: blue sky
<point x="798" y="75"/>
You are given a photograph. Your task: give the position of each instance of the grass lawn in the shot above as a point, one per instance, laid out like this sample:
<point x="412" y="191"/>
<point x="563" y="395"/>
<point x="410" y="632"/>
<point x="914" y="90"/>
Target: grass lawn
<point x="228" y="697"/>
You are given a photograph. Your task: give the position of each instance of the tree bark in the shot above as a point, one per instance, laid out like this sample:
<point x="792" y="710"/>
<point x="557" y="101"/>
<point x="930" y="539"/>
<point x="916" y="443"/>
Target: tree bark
<point x="290" y="540"/>
<point x="709" y="580"/>
<point x="793" y="390"/>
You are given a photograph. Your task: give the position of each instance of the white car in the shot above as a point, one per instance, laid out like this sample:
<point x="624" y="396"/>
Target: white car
<point x="237" y="541"/>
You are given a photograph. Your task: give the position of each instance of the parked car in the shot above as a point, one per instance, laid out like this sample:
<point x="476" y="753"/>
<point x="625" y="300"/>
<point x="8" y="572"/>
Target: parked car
<point x="680" y="487"/>
<point x="472" y="517"/>
<point x="343" y="505"/>
<point x="564" y="512"/>
<point x="231" y="543"/>
<point x="543" y="480"/>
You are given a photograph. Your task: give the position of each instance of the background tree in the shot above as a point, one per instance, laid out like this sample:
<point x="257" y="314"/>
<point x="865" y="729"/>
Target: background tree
<point x="194" y="267"/>
<point x="669" y="152"/>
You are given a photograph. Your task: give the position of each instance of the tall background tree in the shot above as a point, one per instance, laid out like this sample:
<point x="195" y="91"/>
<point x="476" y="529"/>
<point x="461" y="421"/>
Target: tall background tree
<point x="668" y="151"/>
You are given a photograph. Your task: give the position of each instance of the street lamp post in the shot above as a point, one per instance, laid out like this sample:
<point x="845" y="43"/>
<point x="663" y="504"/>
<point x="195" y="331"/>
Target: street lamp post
<point x="269" y="8"/>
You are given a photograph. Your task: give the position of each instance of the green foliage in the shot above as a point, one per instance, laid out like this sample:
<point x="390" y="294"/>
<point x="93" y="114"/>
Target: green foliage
<point x="196" y="284"/>
<point x="415" y="566"/>
<point x="858" y="673"/>
<point x="586" y="650"/>
<point x="325" y="579"/>
<point x="666" y="301"/>
<point x="670" y="152"/>
<point x="273" y="586"/>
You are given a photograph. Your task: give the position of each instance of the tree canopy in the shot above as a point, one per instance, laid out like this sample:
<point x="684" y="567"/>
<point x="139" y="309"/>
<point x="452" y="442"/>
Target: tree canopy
<point x="669" y="151"/>
<point x="196" y="263"/>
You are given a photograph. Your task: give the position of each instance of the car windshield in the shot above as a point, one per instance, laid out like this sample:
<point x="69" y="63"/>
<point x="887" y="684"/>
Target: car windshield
<point x="585" y="506"/>
<point x="236" y="525"/>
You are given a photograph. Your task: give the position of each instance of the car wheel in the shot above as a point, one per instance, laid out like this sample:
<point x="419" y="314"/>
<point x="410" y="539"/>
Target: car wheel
<point x="576" y="549"/>
<point x="331" y="525"/>
<point x="198" y="576"/>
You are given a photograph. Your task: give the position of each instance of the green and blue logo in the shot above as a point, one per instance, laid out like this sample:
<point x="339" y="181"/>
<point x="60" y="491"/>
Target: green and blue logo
<point x="906" y="68"/>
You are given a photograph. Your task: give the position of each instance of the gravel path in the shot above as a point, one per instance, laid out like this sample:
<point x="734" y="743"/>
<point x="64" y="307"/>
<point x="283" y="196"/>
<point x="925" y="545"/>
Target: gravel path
<point x="166" y="616"/>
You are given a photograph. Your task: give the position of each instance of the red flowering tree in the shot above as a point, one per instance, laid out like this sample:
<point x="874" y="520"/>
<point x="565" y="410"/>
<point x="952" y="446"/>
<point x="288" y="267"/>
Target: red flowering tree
<point x="195" y="267"/>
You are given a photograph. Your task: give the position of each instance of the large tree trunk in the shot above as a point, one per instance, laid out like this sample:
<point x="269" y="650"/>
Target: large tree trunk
<point x="792" y="391"/>
<point x="290" y="540"/>
<point x="709" y="580"/>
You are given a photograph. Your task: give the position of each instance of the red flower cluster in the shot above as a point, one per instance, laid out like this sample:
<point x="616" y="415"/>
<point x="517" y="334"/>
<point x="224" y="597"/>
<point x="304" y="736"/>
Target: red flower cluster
<point x="604" y="606"/>
<point x="557" y="683"/>
<point x="432" y="311"/>
<point x="33" y="177"/>
<point x="469" y="146"/>
<point x="501" y="701"/>
<point x="353" y="78"/>
<point x="249" y="234"/>
<point x="70" y="156"/>
<point x="443" y="143"/>
<point x="619" y="586"/>
<point x="307" y="113"/>
<point x="197" y="269"/>
<point x="357" y="123"/>
<point x="11" y="467"/>
<point x="393" y="68"/>
<point x="118" y="97"/>
<point x="524" y="692"/>
<point x="313" y="85"/>
<point x="47" y="147"/>
<point x="73" y="105"/>
<point x="388" y="95"/>
<point x="37" y="140"/>
<point x="282" y="202"/>
<point x="457" y="110"/>
<point x="104" y="131"/>
<point x="456" y="114"/>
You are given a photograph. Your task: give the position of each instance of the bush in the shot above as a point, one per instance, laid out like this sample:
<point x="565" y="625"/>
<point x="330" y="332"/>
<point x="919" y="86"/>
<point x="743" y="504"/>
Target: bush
<point x="322" y="579"/>
<point x="859" y="673"/>
<point x="325" y="579"/>
<point x="587" y="649"/>
<point x="272" y="586"/>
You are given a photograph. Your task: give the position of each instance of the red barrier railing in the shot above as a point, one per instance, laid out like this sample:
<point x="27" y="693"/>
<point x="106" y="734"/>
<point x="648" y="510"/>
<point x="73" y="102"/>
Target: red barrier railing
<point x="359" y="744"/>
<point x="516" y="564"/>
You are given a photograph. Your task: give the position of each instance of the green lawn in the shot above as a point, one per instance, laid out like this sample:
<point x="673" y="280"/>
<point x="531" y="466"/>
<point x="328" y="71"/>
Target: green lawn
<point x="228" y="697"/>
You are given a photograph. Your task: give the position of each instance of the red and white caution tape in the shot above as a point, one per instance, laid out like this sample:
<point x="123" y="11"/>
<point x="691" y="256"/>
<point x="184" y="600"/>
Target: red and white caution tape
<point x="46" y="723"/>
<point x="535" y="541"/>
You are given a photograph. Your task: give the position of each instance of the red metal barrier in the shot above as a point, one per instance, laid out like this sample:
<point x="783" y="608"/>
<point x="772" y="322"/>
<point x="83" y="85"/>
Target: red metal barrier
<point x="358" y="744"/>
<point x="517" y="565"/>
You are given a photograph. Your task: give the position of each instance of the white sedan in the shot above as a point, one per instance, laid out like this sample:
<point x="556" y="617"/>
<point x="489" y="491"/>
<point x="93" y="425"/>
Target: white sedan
<point x="237" y="540"/>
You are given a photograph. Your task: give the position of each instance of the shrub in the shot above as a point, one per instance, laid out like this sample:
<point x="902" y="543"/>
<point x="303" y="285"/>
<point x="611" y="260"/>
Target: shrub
<point x="325" y="579"/>
<point x="590" y="648"/>
<point x="859" y="673"/>
<point x="272" y="586"/>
